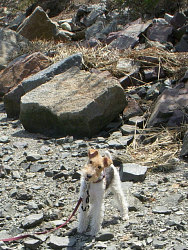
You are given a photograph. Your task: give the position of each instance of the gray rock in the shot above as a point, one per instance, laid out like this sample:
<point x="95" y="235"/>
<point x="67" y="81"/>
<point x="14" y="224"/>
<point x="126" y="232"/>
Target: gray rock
<point x="20" y="144"/>
<point x="151" y="74"/>
<point x="133" y="203"/>
<point x="170" y="108"/>
<point x="37" y="168"/>
<point x="17" y="21"/>
<point x="161" y="210"/>
<point x="132" y="172"/>
<point x="158" y="244"/>
<point x="11" y="44"/>
<point x="172" y="200"/>
<point x="182" y="46"/>
<point x="66" y="112"/>
<point x="32" y="221"/>
<point x="23" y="195"/>
<point x="160" y="20"/>
<point x="180" y="247"/>
<point x="15" y="174"/>
<point x="127" y="129"/>
<point x="32" y="205"/>
<point x="137" y="120"/>
<point x="3" y="246"/>
<point x="184" y="149"/>
<point x="132" y="109"/>
<point x="92" y="17"/>
<point x="168" y="17"/>
<point x="12" y="99"/>
<point x="94" y="31"/>
<point x="129" y="37"/>
<point x="33" y="157"/>
<point x="120" y="143"/>
<point x="4" y="234"/>
<point x="37" y="26"/>
<point x="178" y="20"/>
<point x="159" y="32"/>
<point x="4" y="139"/>
<point x="104" y="236"/>
<point x="32" y="243"/>
<point x="64" y="174"/>
<point x="61" y="242"/>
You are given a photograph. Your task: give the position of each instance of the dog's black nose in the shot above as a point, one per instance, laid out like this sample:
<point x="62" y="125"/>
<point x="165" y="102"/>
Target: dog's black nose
<point x="89" y="176"/>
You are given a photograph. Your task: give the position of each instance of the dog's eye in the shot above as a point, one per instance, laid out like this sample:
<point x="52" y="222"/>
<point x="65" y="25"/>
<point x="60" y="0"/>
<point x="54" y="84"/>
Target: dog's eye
<point x="90" y="162"/>
<point x="99" y="167"/>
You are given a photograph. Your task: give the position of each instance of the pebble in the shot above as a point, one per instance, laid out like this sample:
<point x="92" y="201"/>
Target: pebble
<point x="56" y="242"/>
<point x="32" y="220"/>
<point x="132" y="172"/>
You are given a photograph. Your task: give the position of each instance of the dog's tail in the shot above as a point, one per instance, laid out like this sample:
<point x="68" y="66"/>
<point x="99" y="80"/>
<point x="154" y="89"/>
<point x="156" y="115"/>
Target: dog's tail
<point x="107" y="154"/>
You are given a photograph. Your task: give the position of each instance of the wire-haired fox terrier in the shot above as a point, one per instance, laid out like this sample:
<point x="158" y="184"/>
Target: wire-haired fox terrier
<point x="98" y="175"/>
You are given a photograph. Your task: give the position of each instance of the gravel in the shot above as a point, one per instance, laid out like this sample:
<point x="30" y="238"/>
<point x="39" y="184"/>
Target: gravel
<point x="39" y="188"/>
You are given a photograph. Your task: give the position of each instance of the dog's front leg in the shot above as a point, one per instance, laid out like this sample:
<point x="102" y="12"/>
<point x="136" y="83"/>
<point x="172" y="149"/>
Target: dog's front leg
<point x="97" y="212"/>
<point x="83" y="220"/>
<point x="83" y="215"/>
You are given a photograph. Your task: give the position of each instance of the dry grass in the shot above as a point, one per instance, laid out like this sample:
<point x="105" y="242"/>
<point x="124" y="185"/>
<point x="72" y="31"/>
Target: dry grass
<point x="175" y="64"/>
<point x="103" y="58"/>
<point x="162" y="153"/>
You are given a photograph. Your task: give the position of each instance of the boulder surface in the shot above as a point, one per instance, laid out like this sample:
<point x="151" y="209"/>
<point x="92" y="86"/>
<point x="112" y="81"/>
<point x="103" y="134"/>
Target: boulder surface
<point x="77" y="103"/>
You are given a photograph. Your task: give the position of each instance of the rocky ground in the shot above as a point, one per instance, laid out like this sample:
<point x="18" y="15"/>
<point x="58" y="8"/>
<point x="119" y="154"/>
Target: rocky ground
<point x="39" y="188"/>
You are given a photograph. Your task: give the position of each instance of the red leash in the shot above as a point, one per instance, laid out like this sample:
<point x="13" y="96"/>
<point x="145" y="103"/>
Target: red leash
<point x="47" y="231"/>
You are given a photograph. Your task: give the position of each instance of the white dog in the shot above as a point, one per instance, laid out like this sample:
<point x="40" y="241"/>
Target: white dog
<point x="98" y="175"/>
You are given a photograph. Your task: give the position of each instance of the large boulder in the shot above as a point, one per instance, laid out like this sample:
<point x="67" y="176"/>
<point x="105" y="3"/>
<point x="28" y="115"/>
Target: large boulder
<point x="171" y="107"/>
<point x="12" y="99"/>
<point x="11" y="44"/>
<point x="20" y="69"/>
<point x="77" y="103"/>
<point x="38" y="26"/>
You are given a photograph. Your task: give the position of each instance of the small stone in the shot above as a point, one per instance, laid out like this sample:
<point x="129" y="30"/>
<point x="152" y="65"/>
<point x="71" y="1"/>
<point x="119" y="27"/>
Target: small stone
<point x="132" y="172"/>
<point x="37" y="168"/>
<point x="64" y="174"/>
<point x="32" y="205"/>
<point x="49" y="173"/>
<point x="161" y="210"/>
<point x="4" y="139"/>
<point x="4" y="234"/>
<point x="24" y="196"/>
<point x="15" y="175"/>
<point x="32" y="243"/>
<point x="128" y="129"/>
<point x="105" y="236"/>
<point x="33" y="157"/>
<point x="32" y="221"/>
<point x="158" y="244"/>
<point x="20" y="144"/>
<point x="61" y="242"/>
<point x="180" y="247"/>
<point x="115" y="144"/>
<point x="137" y="120"/>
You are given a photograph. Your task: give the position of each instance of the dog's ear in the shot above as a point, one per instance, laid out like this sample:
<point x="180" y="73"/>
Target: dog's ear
<point x="107" y="161"/>
<point x="92" y="152"/>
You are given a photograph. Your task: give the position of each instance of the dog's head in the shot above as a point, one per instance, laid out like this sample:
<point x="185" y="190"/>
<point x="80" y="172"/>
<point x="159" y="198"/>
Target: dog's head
<point x="94" y="169"/>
